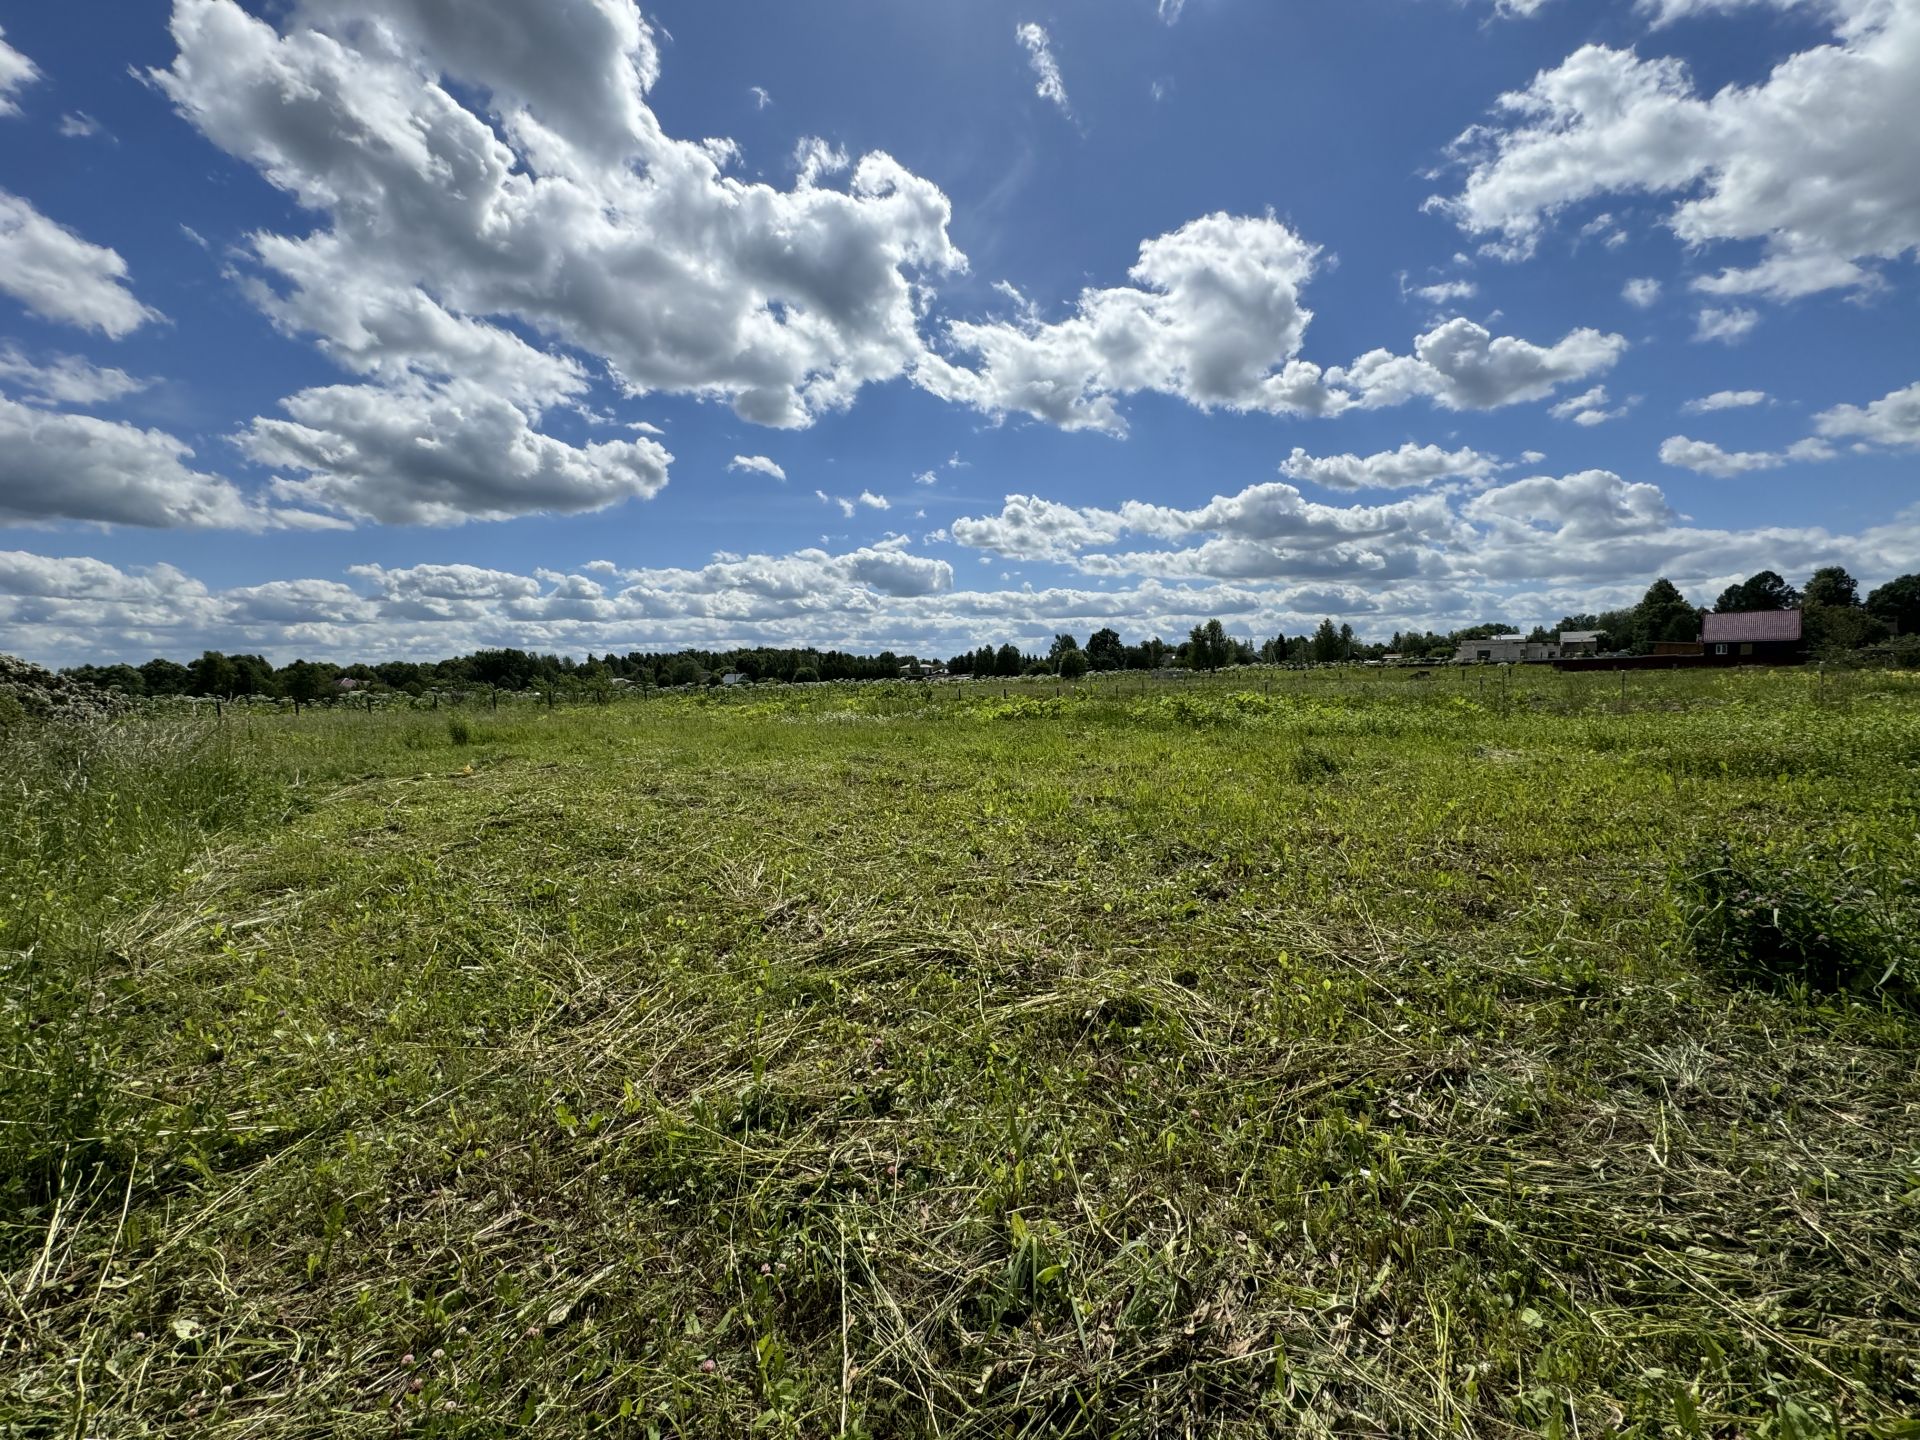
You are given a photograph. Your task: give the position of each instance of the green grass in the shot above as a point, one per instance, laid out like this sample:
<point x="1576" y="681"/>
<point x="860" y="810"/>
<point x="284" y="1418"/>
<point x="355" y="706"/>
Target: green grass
<point x="1331" y="1054"/>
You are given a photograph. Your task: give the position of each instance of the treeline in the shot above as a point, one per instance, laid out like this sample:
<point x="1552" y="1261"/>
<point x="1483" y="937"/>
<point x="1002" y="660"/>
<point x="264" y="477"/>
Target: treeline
<point x="1837" y="618"/>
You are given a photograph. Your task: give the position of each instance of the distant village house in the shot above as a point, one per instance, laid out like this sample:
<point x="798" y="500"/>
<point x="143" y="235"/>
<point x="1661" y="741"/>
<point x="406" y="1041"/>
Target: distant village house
<point x="1754" y="637"/>
<point x="1506" y="650"/>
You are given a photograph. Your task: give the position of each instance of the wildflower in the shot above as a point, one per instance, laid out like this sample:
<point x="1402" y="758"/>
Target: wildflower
<point x="439" y="1354"/>
<point x="707" y="1367"/>
<point x="765" y="1268"/>
<point x="407" y="1359"/>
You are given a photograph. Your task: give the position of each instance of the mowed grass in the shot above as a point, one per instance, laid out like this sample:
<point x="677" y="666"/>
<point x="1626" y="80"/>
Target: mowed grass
<point x="1304" y="1055"/>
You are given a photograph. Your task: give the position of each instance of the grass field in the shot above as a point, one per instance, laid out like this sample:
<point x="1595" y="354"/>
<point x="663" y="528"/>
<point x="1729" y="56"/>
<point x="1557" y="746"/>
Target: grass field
<point x="1316" y="1054"/>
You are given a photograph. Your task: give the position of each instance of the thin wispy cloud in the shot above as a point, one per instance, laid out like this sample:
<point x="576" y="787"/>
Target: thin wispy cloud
<point x="1048" y="83"/>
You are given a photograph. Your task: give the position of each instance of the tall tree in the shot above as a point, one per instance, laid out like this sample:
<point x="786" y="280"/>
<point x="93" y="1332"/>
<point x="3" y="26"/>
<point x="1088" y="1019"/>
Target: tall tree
<point x="1208" y="647"/>
<point x="213" y="675"/>
<point x="1765" y="591"/>
<point x="1104" y="650"/>
<point x="1831" y="585"/>
<point x="166" y="677"/>
<point x="1664" y="614"/>
<point x="1897" y="603"/>
<point x="1006" y="661"/>
<point x="1326" y="643"/>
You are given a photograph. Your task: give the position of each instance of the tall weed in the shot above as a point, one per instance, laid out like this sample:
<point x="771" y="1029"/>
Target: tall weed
<point x="97" y="817"/>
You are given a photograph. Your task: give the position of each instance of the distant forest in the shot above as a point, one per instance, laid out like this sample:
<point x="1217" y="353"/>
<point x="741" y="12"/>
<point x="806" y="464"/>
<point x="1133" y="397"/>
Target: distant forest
<point x="1837" y="619"/>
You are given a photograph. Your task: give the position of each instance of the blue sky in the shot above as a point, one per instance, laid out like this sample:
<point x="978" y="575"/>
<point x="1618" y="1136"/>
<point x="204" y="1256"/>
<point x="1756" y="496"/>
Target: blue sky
<point x="326" y="327"/>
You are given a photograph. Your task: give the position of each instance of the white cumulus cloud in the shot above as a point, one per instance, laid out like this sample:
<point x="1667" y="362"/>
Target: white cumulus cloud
<point x="1409" y="466"/>
<point x="1729" y="327"/>
<point x="1215" y="318"/>
<point x="61" y="277"/>
<point x="1725" y="400"/>
<point x="566" y="208"/>
<point x="65" y="379"/>
<point x="1814" y="160"/>
<point x="1892" y="420"/>
<point x="56" y="466"/>
<point x="1642" y="293"/>
<point x="441" y="454"/>
<point x="759" y="464"/>
<point x="16" y="73"/>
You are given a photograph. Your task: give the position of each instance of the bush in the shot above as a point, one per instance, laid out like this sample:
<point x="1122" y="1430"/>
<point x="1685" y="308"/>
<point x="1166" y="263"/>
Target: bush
<point x="1800" y="923"/>
<point x="458" y="730"/>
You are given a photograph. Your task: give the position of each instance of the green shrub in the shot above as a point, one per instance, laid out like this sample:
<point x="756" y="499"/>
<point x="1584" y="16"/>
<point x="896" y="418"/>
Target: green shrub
<point x="1800" y="923"/>
<point x="458" y="730"/>
<point x="1310" y="763"/>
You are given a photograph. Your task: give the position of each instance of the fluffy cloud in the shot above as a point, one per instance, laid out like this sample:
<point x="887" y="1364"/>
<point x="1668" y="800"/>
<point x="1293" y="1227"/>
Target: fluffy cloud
<point x="1263" y="560"/>
<point x="1216" y="310"/>
<point x="420" y="454"/>
<point x="16" y="73"/>
<point x="1029" y="528"/>
<point x="1813" y="160"/>
<point x="1893" y="419"/>
<point x="1409" y="466"/>
<point x="75" y="467"/>
<point x="1643" y="293"/>
<point x="1265" y="532"/>
<point x="1725" y="400"/>
<point x="758" y="464"/>
<point x="65" y="379"/>
<point x="1463" y="366"/>
<point x="1590" y="408"/>
<point x="1729" y="327"/>
<point x="1703" y="457"/>
<point x="1445" y="292"/>
<point x="577" y="217"/>
<point x="61" y="277"/>
<point x="1215" y="318"/>
<point x="1046" y="70"/>
<point x="1589" y="505"/>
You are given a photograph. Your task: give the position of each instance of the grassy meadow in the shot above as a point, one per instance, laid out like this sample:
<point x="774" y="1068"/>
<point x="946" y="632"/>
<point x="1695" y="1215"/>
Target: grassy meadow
<point x="1311" y="1054"/>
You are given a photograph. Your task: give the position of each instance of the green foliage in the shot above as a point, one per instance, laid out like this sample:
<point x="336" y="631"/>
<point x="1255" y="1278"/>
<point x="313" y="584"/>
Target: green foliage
<point x="1831" y="586"/>
<point x="1662" y="614"/>
<point x="1765" y="591"/>
<point x="1897" y="603"/>
<point x="1795" y="921"/>
<point x="1208" y="647"/>
<point x="1262" y="1053"/>
<point x="459" y="731"/>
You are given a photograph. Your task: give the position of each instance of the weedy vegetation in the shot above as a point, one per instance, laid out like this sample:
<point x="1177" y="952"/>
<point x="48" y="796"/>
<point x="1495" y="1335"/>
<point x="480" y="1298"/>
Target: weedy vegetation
<point x="1332" y="1053"/>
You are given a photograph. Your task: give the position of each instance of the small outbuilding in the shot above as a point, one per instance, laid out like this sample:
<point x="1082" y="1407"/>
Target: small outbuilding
<point x="1754" y="637"/>
<point x="1505" y="650"/>
<point x="1581" y="642"/>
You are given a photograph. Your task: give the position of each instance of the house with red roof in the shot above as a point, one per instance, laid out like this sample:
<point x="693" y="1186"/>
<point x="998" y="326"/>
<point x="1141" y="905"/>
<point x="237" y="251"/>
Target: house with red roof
<point x="1754" y="637"/>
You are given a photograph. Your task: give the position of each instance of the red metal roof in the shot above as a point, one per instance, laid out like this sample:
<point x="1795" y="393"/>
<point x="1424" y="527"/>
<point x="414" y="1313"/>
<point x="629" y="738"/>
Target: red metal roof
<point x="1747" y="626"/>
